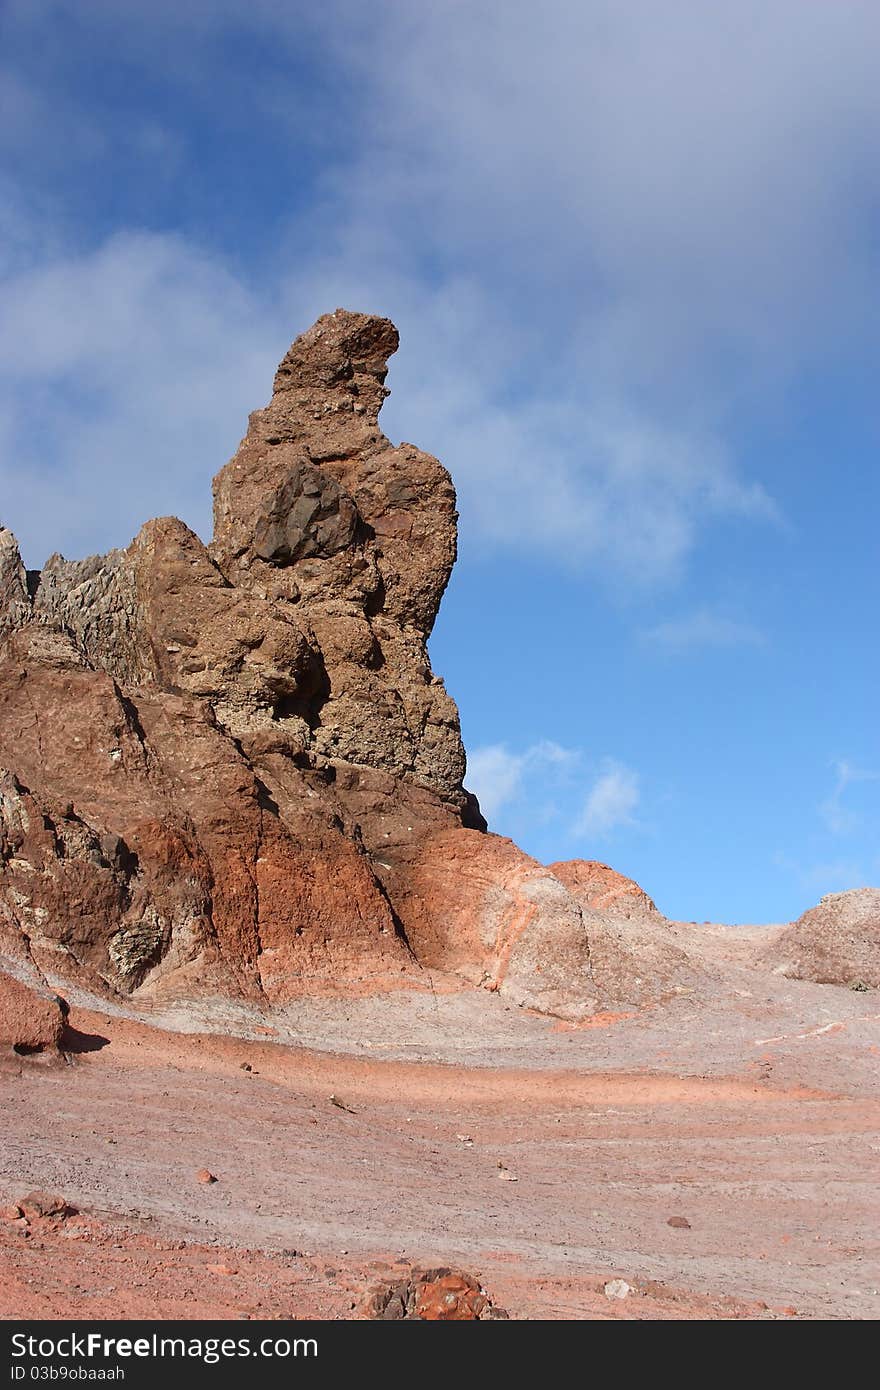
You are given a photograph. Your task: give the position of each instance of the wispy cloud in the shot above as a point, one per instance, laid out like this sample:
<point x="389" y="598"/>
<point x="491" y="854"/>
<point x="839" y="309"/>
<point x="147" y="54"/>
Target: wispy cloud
<point x="838" y="817"/>
<point x="577" y="395"/>
<point x="494" y="775"/>
<point x="611" y="803"/>
<point x="695" y="252"/>
<point x="833" y="875"/>
<point x="704" y="627"/>
<point x="126" y="375"/>
<point x="497" y="776"/>
<point x="587" y="799"/>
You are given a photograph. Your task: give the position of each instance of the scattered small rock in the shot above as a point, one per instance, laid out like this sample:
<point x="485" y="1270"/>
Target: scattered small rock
<point x="43" y="1204"/>
<point x="10" y="1213"/>
<point x="205" y="1175"/>
<point x="431" y="1295"/>
<point x="680" y="1223"/>
<point x="246" y="1066"/>
<point x="340" y="1105"/>
<point x="618" y="1288"/>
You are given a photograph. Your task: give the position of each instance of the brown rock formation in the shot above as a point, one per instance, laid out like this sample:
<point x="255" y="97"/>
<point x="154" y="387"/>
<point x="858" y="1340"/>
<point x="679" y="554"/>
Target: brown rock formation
<point x="207" y="751"/>
<point x="230" y="769"/>
<point x="836" y="942"/>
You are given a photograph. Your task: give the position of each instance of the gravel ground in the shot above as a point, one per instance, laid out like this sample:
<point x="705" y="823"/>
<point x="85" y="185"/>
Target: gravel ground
<point x="444" y="1126"/>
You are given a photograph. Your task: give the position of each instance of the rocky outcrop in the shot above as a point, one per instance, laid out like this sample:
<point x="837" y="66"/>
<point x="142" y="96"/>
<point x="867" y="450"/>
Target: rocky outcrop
<point x="431" y="1295"/>
<point x="229" y="768"/>
<point x="836" y="942"/>
<point x="542" y="937"/>
<point x="209" y="754"/>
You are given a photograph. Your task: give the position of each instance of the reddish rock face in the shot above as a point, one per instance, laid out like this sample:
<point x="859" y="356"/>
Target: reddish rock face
<point x="43" y="1206"/>
<point x="31" y="1019"/>
<point x="602" y="889"/>
<point x="478" y="905"/>
<point x="543" y="938"/>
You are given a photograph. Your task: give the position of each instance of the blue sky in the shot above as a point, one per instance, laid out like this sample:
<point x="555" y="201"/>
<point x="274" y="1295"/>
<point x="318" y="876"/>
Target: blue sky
<point x="632" y="250"/>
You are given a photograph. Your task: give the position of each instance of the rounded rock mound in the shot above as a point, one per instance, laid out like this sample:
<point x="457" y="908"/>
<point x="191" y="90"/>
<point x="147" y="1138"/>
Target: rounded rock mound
<point x="837" y="942"/>
<point x="602" y="889"/>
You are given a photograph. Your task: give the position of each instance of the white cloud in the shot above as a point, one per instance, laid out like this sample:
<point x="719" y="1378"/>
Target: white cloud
<point x="599" y="487"/>
<point x="680" y="193"/>
<point x="603" y="230"/>
<point x="497" y="776"/>
<point x="494" y="775"/>
<point x="126" y="376"/>
<point x="611" y="802"/>
<point x="657" y="249"/>
<point x="704" y="627"/>
<point x="521" y="791"/>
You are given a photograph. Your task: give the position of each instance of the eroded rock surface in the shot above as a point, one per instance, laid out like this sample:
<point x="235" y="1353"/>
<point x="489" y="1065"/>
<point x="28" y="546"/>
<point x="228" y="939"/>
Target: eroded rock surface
<point x="203" y="749"/>
<point x="543" y="937"/>
<point x="602" y="889"/>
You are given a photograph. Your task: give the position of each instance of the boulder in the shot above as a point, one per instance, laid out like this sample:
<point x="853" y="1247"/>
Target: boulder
<point x="31" y="1018"/>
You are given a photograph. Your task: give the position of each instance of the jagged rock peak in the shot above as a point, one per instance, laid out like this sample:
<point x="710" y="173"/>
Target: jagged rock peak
<point x="318" y="504"/>
<point x="342" y="353"/>
<point x="216" y="759"/>
<point x="308" y="614"/>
